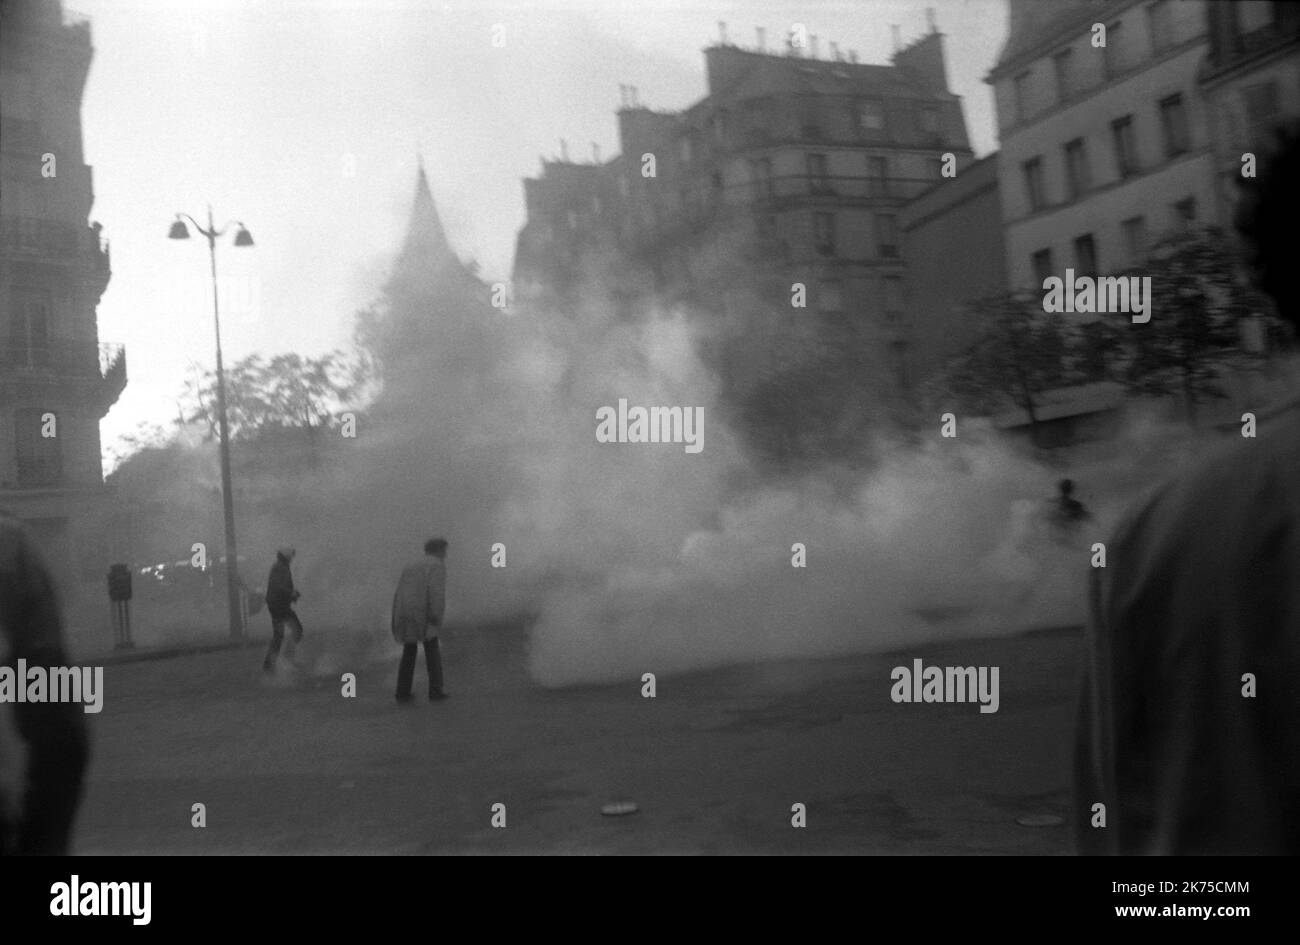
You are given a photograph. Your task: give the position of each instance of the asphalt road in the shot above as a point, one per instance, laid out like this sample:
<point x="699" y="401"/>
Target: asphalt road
<point x="714" y="762"/>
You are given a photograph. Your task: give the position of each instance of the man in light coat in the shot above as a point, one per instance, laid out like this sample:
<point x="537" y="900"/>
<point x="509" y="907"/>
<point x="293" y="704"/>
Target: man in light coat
<point x="418" y="608"/>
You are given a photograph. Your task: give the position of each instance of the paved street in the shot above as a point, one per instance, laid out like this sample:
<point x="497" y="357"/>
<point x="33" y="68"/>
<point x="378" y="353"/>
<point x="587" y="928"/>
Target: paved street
<point x="714" y="762"/>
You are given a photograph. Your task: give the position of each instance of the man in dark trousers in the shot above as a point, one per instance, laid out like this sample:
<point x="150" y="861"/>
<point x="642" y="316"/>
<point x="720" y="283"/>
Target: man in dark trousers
<point x="1189" y="730"/>
<point x="418" y="608"/>
<point x="38" y="820"/>
<point x="280" y="597"/>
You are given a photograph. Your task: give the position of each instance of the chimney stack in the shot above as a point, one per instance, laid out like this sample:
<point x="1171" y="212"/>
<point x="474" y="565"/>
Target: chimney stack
<point x="595" y="153"/>
<point x="812" y="46"/>
<point x="898" y="41"/>
<point x="835" y="51"/>
<point x="930" y="20"/>
<point x="762" y="39"/>
<point x="722" y="33"/>
<point x="564" y="151"/>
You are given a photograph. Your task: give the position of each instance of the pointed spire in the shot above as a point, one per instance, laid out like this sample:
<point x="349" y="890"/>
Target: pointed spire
<point x="426" y="242"/>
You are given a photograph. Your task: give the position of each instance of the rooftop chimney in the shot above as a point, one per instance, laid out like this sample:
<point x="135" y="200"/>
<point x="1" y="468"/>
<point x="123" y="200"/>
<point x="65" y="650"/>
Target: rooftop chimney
<point x="835" y="51"/>
<point x="595" y="153"/>
<point x="762" y="38"/>
<point x="722" y="32"/>
<point x="898" y="41"/>
<point x="812" y="46"/>
<point x="564" y="151"/>
<point x="930" y="20"/>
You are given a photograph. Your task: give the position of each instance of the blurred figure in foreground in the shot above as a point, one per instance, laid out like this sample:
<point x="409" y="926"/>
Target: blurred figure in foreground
<point x="1189" y="727"/>
<point x="38" y="820"/>
<point x="418" y="608"/>
<point x="1066" y="509"/>
<point x="280" y="597"/>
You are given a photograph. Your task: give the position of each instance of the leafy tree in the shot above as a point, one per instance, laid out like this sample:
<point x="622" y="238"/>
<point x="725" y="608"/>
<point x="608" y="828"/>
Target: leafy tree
<point x="286" y="392"/>
<point x="1198" y="301"/>
<point x="1020" y="353"/>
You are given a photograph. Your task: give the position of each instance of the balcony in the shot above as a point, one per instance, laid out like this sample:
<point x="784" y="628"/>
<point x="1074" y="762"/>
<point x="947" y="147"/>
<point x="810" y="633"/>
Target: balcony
<point x="33" y="236"/>
<point x="102" y="367"/>
<point x="772" y="194"/>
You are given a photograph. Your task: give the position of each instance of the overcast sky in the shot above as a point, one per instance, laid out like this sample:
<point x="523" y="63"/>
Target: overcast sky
<point x="264" y="107"/>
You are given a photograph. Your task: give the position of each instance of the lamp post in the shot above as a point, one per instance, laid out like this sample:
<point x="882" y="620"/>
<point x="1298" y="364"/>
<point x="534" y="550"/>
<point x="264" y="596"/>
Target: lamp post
<point x="242" y="238"/>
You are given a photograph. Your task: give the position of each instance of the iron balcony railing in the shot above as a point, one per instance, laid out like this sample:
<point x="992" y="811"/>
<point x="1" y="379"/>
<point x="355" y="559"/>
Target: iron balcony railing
<point x="74" y="360"/>
<point x="34" y="236"/>
<point x="701" y="204"/>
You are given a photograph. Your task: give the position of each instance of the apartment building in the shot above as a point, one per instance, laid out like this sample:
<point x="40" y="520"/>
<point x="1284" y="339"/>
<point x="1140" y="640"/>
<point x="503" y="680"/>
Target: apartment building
<point x="57" y="380"/>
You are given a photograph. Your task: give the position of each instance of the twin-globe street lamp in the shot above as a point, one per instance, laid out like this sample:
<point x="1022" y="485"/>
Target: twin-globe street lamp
<point x="242" y="238"/>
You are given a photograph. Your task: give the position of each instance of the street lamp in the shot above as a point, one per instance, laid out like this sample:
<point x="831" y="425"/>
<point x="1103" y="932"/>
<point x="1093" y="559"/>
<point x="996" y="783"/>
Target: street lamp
<point x="242" y="238"/>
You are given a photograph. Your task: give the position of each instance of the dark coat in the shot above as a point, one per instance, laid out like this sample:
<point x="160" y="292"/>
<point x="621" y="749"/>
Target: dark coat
<point x="39" y="819"/>
<point x="1200" y="590"/>
<point x="279" y="589"/>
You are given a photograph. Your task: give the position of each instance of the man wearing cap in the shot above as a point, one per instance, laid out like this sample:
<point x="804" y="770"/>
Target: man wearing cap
<point x="280" y="596"/>
<point x="418" y="608"/>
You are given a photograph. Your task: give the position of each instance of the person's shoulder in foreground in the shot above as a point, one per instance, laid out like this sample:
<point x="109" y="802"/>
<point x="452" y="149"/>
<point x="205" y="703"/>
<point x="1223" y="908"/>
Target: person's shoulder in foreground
<point x="1189" y="735"/>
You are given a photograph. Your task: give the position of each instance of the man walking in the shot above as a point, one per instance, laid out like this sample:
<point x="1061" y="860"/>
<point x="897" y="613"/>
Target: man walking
<point x="418" y="608"/>
<point x="280" y="596"/>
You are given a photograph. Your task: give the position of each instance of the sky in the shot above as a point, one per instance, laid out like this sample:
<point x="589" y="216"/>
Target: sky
<point x="303" y="120"/>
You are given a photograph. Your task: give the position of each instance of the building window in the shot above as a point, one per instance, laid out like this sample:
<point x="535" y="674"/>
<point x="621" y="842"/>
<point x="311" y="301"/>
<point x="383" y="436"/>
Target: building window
<point x="898" y="351"/>
<point x="29" y="328"/>
<point x="1042" y="263"/>
<point x="1162" y="28"/>
<point x="1063" y="62"/>
<point x="720" y="126"/>
<point x="1135" y="239"/>
<point x="877" y="176"/>
<point x="1173" y="118"/>
<point x="1022" y="96"/>
<point x="892" y="287"/>
<point x="1252" y="15"/>
<point x="1077" y="179"/>
<point x="830" y="297"/>
<point x="818" y="178"/>
<point x="1185" y="213"/>
<point x="39" y="457"/>
<point x="824" y="234"/>
<point x="1126" y="160"/>
<point x="1114" y="59"/>
<point x="1085" y="256"/>
<point x="809" y="122"/>
<point x="929" y="120"/>
<point x="871" y="116"/>
<point x="887" y="235"/>
<point x="1033" y="169"/>
<point x="761" y="173"/>
<point x="1261" y="112"/>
